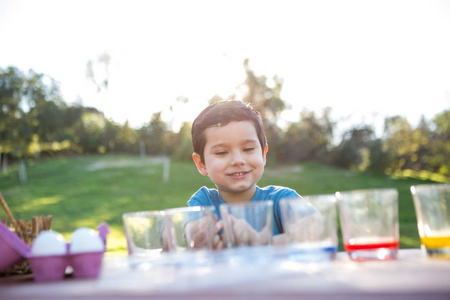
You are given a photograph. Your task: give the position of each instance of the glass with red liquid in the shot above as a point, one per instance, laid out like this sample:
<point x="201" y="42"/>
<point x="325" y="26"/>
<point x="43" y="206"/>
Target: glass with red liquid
<point x="369" y="223"/>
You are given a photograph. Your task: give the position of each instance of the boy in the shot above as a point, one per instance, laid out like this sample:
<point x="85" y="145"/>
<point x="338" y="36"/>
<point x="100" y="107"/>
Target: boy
<point x="230" y="147"/>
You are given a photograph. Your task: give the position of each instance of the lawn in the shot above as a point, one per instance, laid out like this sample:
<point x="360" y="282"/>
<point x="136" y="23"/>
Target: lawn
<point x="87" y="190"/>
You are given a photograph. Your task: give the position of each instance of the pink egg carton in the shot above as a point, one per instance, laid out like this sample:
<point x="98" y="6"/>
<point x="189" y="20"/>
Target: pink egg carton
<point x="12" y="249"/>
<point x="45" y="268"/>
<point x="84" y="265"/>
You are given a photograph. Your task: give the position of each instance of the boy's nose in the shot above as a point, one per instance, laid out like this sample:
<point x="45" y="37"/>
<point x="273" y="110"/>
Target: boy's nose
<point x="237" y="158"/>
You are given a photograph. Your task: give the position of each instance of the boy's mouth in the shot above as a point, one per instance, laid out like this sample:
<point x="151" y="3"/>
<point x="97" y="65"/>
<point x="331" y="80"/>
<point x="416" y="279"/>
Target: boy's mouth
<point x="238" y="174"/>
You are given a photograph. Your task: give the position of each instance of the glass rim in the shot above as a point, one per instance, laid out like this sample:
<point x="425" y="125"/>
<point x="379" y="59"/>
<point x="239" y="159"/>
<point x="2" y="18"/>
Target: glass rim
<point x="338" y="194"/>
<point x="196" y="208"/>
<point x="428" y="186"/>
<point x="143" y="213"/>
<point x="310" y="198"/>
<point x="248" y="204"/>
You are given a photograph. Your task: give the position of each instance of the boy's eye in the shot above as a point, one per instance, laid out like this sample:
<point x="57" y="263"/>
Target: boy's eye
<point x="221" y="153"/>
<point x="248" y="149"/>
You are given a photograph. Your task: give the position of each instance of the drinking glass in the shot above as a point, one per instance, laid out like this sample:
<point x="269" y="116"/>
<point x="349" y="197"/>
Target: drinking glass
<point x="248" y="224"/>
<point x="432" y="205"/>
<point x="144" y="232"/>
<point x="310" y="226"/>
<point x="369" y="223"/>
<point x="190" y="228"/>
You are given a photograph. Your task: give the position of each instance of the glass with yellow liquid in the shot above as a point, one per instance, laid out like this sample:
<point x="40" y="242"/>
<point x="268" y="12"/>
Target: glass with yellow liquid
<point x="432" y="204"/>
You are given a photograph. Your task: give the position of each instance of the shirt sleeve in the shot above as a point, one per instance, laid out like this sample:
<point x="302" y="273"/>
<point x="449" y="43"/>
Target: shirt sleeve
<point x="200" y="198"/>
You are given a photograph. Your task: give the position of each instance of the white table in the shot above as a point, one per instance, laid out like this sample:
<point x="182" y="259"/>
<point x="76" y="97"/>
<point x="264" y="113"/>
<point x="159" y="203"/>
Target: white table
<point x="412" y="276"/>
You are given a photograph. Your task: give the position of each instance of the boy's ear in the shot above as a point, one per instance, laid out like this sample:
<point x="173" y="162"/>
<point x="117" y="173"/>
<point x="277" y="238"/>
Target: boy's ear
<point x="200" y="165"/>
<point x="266" y="148"/>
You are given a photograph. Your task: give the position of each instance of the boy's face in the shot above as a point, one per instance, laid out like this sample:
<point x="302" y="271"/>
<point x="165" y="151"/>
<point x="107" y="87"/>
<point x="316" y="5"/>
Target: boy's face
<point x="233" y="158"/>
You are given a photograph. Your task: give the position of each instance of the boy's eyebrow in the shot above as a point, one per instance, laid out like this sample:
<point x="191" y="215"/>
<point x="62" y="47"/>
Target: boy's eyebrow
<point x="243" y="142"/>
<point x="250" y="141"/>
<point x="218" y="145"/>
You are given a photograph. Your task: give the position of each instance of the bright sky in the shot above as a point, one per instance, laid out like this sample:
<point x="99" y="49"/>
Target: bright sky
<point x="365" y="59"/>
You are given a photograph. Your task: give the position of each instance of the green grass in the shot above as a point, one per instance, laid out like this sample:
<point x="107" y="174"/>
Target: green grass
<point x="87" y="190"/>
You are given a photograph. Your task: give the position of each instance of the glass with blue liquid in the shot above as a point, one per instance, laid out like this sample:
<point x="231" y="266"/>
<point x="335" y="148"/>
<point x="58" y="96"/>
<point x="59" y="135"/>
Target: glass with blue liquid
<point x="310" y="226"/>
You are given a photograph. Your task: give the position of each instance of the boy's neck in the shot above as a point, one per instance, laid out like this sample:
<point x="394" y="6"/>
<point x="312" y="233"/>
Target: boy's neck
<point x="242" y="197"/>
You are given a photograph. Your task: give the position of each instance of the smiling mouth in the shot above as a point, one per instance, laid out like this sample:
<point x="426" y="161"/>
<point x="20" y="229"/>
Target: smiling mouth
<point x="238" y="174"/>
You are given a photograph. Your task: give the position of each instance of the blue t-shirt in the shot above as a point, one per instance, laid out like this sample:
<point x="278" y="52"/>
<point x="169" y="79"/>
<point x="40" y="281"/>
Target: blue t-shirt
<point x="211" y="197"/>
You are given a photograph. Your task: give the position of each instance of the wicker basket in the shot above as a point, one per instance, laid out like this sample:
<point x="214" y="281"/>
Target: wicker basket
<point x="27" y="232"/>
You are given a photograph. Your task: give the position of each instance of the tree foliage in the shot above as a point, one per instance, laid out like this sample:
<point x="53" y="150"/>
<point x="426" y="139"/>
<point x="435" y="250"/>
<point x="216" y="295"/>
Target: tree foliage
<point x="34" y="120"/>
<point x="354" y="150"/>
<point x="308" y="139"/>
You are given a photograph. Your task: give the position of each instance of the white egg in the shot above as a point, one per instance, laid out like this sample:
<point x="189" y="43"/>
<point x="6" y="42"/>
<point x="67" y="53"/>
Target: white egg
<point x="49" y="243"/>
<point x="85" y="239"/>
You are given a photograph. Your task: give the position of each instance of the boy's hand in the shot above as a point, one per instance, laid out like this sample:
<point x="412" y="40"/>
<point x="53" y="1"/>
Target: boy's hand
<point x="197" y="233"/>
<point x="307" y="229"/>
<point x="242" y="233"/>
<point x="218" y="242"/>
<point x="165" y="239"/>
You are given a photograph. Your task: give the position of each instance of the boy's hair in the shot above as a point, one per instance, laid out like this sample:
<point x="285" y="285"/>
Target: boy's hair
<point x="220" y="114"/>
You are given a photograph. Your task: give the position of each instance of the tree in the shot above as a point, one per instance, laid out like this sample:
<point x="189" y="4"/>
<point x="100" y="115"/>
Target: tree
<point x="183" y="149"/>
<point x="378" y="158"/>
<point x="48" y="121"/>
<point x="122" y="139"/>
<point x="407" y="148"/>
<point x="98" y="71"/>
<point x="264" y="98"/>
<point x="89" y="131"/>
<point x="31" y="110"/>
<point x="354" y="150"/>
<point x="154" y="134"/>
<point x="309" y="139"/>
<point x="268" y="102"/>
<point x="11" y="112"/>
<point x="439" y="145"/>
